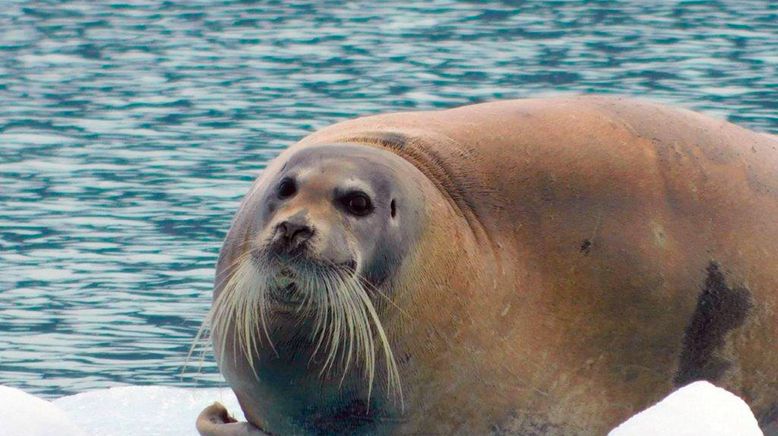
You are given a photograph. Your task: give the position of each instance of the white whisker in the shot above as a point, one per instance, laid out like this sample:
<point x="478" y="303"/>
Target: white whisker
<point x="344" y="322"/>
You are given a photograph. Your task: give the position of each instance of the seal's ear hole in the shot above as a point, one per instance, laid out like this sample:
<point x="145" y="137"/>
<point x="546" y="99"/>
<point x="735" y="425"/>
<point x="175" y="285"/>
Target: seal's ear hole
<point x="393" y="208"/>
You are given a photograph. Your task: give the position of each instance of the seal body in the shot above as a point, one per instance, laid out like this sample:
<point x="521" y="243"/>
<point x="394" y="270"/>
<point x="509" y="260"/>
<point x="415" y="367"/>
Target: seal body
<point x="558" y="265"/>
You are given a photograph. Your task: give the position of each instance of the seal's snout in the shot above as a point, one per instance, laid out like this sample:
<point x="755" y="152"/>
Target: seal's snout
<point x="292" y="234"/>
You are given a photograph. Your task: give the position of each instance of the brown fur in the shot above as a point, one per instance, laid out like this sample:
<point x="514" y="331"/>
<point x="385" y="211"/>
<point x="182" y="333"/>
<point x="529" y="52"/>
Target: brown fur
<point x="557" y="280"/>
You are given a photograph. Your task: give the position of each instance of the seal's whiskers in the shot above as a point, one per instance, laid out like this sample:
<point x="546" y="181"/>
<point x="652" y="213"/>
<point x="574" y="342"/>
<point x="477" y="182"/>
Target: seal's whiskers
<point x="345" y="322"/>
<point x="201" y="338"/>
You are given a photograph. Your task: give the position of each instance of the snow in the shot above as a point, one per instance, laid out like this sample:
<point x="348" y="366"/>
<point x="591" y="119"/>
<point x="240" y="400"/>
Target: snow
<point x="697" y="409"/>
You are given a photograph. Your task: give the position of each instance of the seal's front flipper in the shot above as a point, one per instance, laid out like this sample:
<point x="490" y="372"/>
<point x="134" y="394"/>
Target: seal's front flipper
<point x="214" y="420"/>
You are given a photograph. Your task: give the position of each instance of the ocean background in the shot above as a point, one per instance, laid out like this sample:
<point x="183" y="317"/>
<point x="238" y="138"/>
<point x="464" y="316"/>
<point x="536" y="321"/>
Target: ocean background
<point x="129" y="132"/>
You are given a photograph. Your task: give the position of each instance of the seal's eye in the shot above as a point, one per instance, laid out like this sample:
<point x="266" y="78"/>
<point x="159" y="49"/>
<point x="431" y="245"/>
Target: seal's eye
<point x="357" y="203"/>
<point x="286" y="188"/>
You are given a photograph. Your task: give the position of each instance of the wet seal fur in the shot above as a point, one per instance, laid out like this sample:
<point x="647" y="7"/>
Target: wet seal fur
<point x="545" y="266"/>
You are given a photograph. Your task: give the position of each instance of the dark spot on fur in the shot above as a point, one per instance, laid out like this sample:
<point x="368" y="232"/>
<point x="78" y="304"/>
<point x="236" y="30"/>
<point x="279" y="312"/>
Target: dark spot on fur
<point x="349" y="419"/>
<point x="531" y="425"/>
<point x="393" y="208"/>
<point x="548" y="188"/>
<point x="720" y="309"/>
<point x="391" y="140"/>
<point x="769" y="421"/>
<point x="586" y="246"/>
<point x="396" y="141"/>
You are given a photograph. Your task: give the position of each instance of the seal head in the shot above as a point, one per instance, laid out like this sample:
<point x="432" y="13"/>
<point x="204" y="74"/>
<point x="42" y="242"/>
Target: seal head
<point x="304" y="281"/>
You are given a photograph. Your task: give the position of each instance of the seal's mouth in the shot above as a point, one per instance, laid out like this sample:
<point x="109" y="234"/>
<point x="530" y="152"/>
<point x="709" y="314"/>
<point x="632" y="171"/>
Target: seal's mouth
<point x="288" y="298"/>
<point x="286" y="295"/>
<point x="330" y="302"/>
<point x="289" y="265"/>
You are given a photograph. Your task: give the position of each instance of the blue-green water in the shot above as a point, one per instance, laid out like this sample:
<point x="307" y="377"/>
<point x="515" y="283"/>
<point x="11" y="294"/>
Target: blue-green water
<point x="129" y="132"/>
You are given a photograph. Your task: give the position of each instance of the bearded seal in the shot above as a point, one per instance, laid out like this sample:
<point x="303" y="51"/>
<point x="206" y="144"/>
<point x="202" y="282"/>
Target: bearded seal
<point x="538" y="266"/>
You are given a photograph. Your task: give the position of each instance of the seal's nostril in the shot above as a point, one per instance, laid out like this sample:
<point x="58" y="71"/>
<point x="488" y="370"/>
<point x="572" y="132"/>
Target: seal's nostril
<point x="300" y="235"/>
<point x="294" y="233"/>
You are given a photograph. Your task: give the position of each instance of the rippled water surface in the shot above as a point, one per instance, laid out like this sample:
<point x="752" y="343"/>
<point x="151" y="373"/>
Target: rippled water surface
<point x="129" y="132"/>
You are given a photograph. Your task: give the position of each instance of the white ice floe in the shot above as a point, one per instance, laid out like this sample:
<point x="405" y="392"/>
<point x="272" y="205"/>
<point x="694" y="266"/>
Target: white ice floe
<point x="144" y="410"/>
<point x="696" y="409"/>
<point x="27" y="415"/>
<point x="119" y="411"/>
